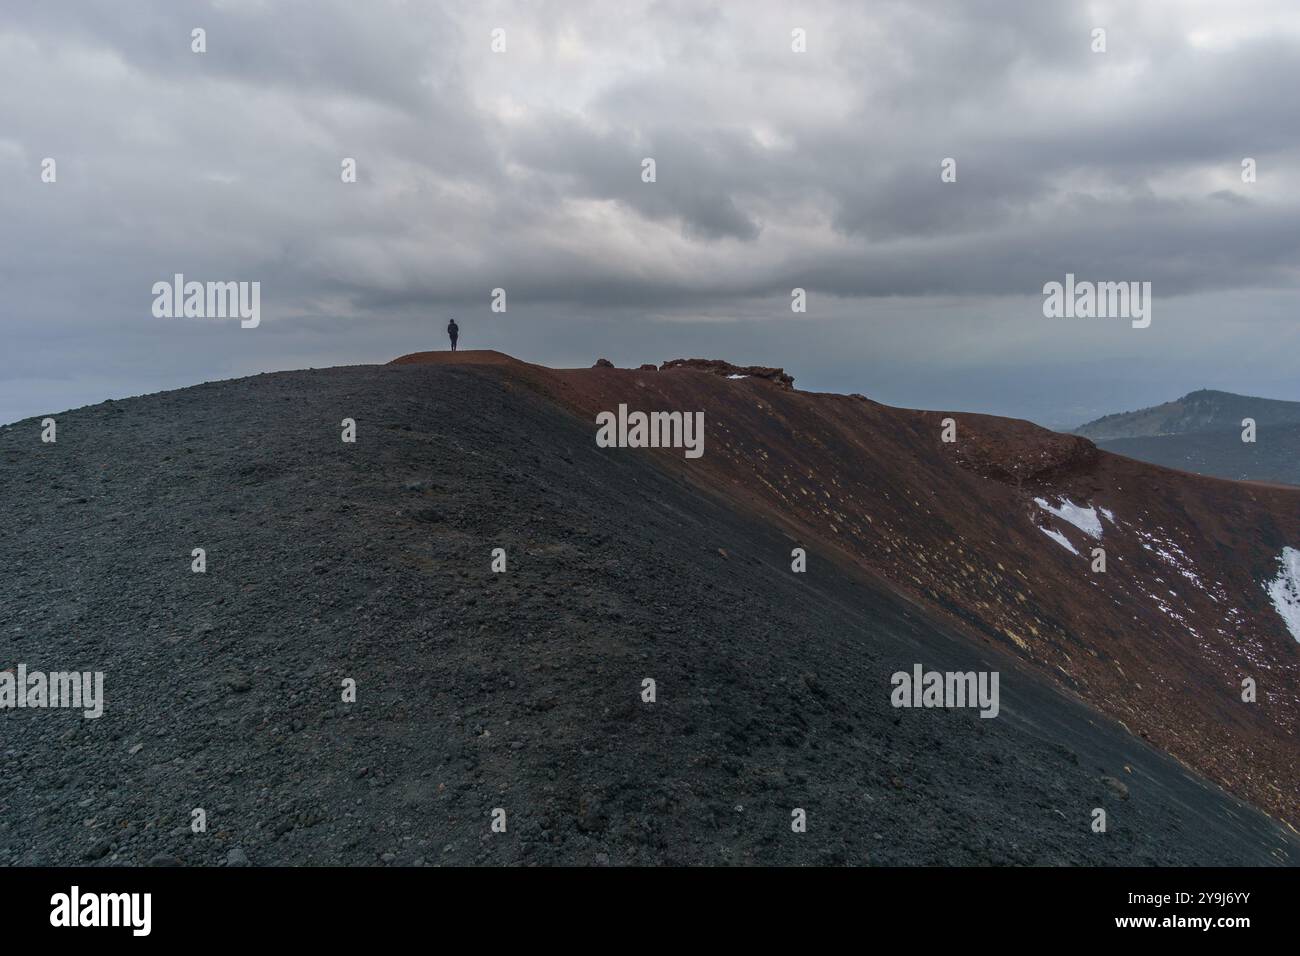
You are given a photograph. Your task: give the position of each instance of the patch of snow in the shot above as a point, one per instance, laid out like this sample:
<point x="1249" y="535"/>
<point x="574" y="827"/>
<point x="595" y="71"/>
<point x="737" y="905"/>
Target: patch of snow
<point x="1284" y="590"/>
<point x="737" y="376"/>
<point x="1178" y="559"/>
<point x="1059" y="538"/>
<point x="1164" y="606"/>
<point x="1108" y="514"/>
<point x="1085" y="519"/>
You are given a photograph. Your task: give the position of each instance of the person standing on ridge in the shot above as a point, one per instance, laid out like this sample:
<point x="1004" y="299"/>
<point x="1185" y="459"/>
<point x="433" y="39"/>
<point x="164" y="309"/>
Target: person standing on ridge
<point x="453" y="331"/>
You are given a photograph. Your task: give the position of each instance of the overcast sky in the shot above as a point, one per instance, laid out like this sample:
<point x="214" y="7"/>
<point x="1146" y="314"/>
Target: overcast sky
<point x="775" y="169"/>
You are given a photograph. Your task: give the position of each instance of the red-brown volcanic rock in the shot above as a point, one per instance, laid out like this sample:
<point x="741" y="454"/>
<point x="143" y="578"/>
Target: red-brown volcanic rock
<point x="727" y="370"/>
<point x="1162" y="640"/>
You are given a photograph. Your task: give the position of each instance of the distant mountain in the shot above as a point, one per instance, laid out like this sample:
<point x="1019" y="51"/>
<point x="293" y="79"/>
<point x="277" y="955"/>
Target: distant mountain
<point x="1274" y="455"/>
<point x="1201" y="433"/>
<point x="1200" y="411"/>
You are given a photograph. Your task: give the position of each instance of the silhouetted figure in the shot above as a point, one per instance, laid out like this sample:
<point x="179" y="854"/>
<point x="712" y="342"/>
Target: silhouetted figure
<point x="453" y="330"/>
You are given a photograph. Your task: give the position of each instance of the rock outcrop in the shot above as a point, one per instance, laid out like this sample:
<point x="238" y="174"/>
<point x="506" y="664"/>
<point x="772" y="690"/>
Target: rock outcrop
<point x="777" y="376"/>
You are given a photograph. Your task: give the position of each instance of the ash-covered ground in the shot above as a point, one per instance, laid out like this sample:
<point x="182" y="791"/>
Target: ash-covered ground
<point x="521" y="690"/>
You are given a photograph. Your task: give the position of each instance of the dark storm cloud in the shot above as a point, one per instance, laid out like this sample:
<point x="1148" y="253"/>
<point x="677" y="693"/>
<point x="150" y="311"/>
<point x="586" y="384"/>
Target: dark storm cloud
<point x="522" y="170"/>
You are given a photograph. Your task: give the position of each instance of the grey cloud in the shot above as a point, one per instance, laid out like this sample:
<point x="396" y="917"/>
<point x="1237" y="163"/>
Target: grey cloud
<point x="775" y="170"/>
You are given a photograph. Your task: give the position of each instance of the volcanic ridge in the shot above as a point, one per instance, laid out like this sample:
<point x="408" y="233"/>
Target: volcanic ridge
<point x="524" y="691"/>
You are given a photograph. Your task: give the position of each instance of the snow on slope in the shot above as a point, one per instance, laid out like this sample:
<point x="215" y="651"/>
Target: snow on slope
<point x="1174" y="556"/>
<point x="1085" y="519"/>
<point x="1285" y="590"/>
<point x="1059" y="538"/>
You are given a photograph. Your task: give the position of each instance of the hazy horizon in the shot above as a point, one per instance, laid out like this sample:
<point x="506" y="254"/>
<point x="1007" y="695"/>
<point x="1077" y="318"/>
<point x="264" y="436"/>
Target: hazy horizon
<point x="895" y="392"/>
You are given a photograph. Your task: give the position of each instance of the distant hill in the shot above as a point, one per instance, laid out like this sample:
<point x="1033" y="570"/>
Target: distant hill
<point x="1201" y="433"/>
<point x="1274" y="456"/>
<point x="1200" y="411"/>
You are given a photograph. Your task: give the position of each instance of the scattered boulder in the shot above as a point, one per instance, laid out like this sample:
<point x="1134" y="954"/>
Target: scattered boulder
<point x="1118" y="786"/>
<point x="97" y="850"/>
<point x="239" y="683"/>
<point x="591" y="814"/>
<point x="237" y="857"/>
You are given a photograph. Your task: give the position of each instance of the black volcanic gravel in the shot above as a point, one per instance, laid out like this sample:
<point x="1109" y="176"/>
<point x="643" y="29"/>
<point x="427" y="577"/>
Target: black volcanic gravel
<point x="522" y="690"/>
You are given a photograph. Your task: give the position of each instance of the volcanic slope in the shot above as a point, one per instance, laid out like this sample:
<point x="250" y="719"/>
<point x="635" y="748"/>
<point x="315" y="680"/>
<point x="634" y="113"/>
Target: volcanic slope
<point x="371" y="562"/>
<point x="996" y="530"/>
